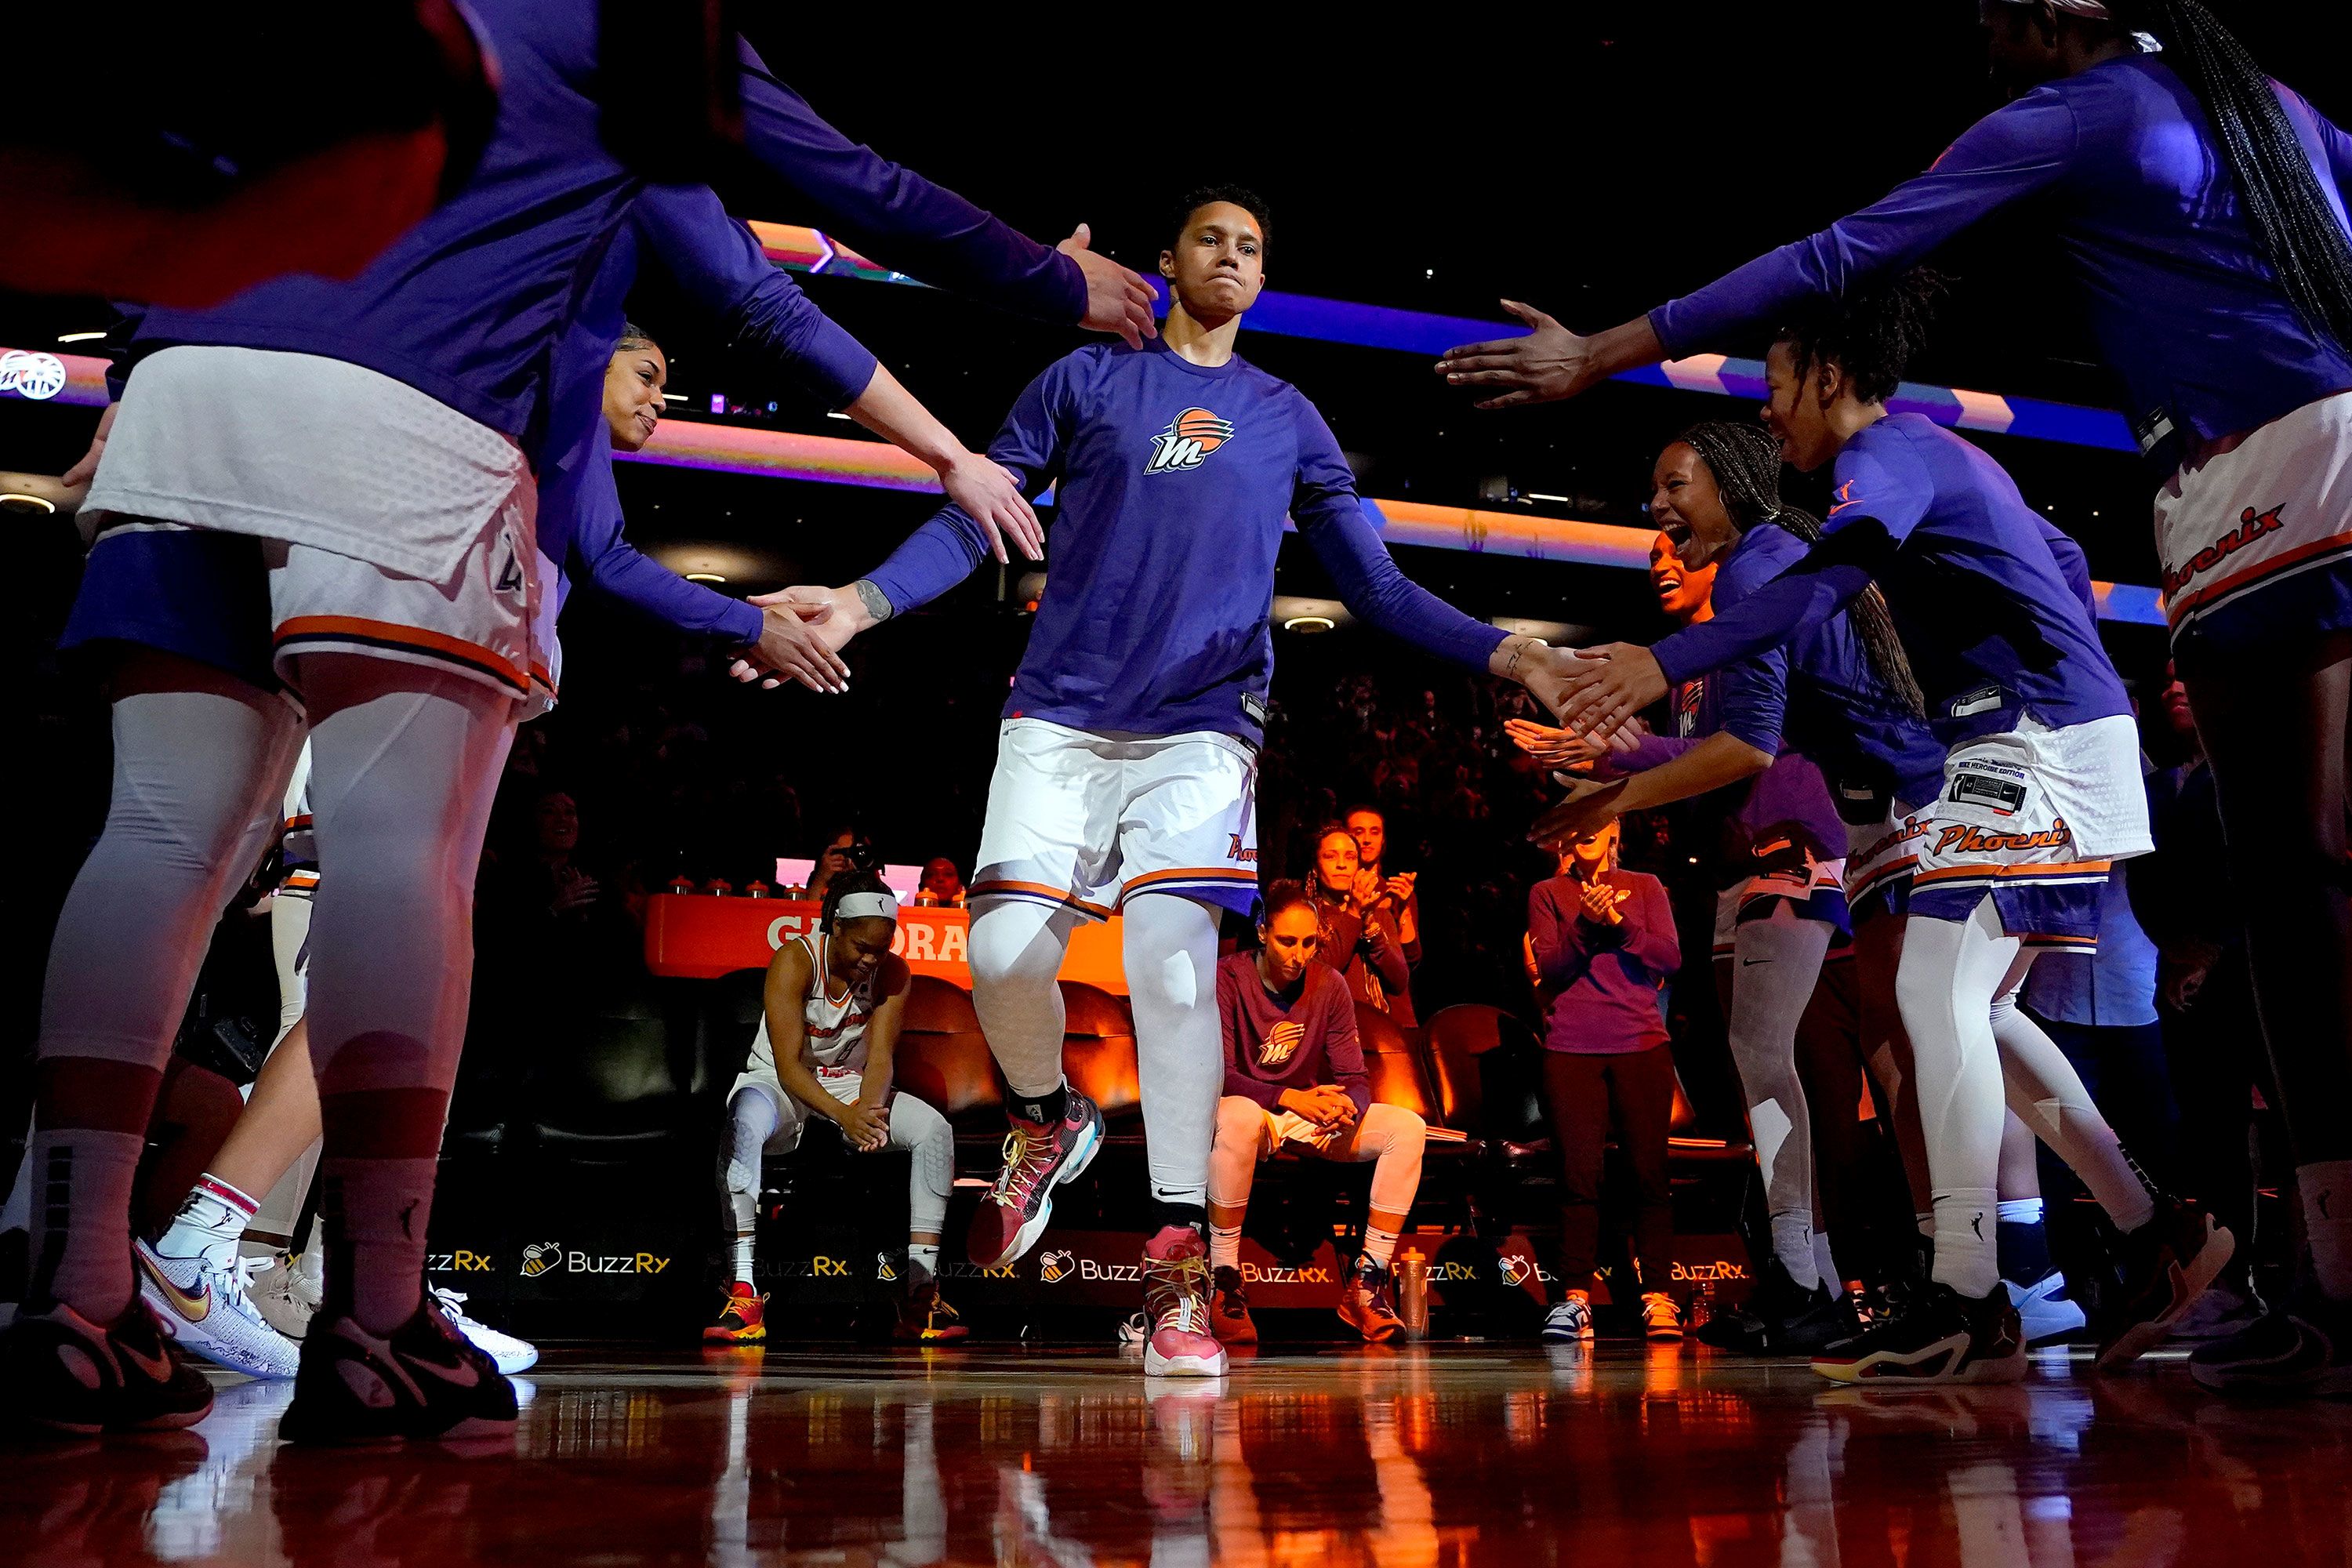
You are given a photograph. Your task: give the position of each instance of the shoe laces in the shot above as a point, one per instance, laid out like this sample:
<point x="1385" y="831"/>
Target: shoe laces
<point x="1176" y="1293"/>
<point x="1021" y="1152"/>
<point x="451" y="1301"/>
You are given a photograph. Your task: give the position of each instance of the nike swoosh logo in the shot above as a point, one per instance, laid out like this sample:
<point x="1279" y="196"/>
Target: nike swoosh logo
<point x="157" y="1367"/>
<point x="195" y="1309"/>
<point x="462" y="1375"/>
<point x="1751" y="962"/>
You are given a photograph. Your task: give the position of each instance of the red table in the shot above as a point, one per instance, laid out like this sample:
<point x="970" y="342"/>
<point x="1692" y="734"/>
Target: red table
<point x="701" y="936"/>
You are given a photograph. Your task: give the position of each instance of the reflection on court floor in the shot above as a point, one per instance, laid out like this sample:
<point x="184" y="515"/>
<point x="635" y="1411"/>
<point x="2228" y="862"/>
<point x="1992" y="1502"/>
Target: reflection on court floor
<point x="1439" y="1454"/>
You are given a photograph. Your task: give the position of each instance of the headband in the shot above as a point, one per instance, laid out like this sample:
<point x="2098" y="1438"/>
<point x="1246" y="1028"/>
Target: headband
<point x="865" y="906"/>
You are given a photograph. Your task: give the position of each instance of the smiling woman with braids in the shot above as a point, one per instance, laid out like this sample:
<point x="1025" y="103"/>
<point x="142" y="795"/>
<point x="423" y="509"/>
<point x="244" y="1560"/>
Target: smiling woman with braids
<point x="2006" y="845"/>
<point x="2202" y="205"/>
<point x="1845" y="694"/>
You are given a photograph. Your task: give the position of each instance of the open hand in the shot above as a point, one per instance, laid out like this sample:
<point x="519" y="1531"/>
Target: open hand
<point x="992" y="497"/>
<point x="1554" y="748"/>
<point x="1601" y="901"/>
<point x="1548" y="363"/>
<point x="1118" y="300"/>
<point x="1586" y="808"/>
<point x="799" y="640"/>
<point x="1606" y="686"/>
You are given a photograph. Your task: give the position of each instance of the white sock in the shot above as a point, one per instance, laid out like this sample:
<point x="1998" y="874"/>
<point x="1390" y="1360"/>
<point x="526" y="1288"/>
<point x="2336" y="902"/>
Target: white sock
<point x="2021" y="1211"/>
<point x="1379" y="1245"/>
<point x="922" y="1255"/>
<point x="1169" y="945"/>
<point x="1226" y="1244"/>
<point x="1825" y="1263"/>
<point x="1792" y="1244"/>
<point x="211" y="1221"/>
<point x="2327" y="1187"/>
<point x="1966" y="1241"/>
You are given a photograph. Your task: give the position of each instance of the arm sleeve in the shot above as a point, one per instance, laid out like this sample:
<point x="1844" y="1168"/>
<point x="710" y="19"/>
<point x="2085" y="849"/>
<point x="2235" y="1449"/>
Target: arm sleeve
<point x="1343" y="1050"/>
<point x="2323" y="134"/>
<point x="716" y="261"/>
<point x="1651" y="937"/>
<point x="1560" y="954"/>
<point x="601" y="556"/>
<point x="1651" y="751"/>
<point x="2010" y="153"/>
<point x="1326" y="510"/>
<point x="943" y="552"/>
<point x="1881" y="495"/>
<point x="898" y="217"/>
<point x="2073" y="566"/>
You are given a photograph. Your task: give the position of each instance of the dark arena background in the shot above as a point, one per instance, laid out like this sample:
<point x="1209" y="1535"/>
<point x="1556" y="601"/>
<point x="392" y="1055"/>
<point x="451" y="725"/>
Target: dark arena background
<point x="652" y="840"/>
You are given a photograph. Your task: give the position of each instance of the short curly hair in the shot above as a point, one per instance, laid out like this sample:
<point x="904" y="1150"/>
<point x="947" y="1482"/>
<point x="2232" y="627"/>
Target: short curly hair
<point x="1242" y="197"/>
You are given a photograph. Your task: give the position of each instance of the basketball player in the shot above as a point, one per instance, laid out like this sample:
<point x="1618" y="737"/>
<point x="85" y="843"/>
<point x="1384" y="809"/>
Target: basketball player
<point x="2202" y="207"/>
<point x="2039" y="791"/>
<point x="295" y="477"/>
<point x="1126" y="770"/>
<point x="1716" y="497"/>
<point x="834" y="999"/>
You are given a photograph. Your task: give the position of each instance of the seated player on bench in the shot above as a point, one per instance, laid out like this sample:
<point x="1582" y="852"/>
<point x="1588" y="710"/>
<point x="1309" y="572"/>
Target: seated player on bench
<point x="1295" y="1074"/>
<point x="834" y="999"/>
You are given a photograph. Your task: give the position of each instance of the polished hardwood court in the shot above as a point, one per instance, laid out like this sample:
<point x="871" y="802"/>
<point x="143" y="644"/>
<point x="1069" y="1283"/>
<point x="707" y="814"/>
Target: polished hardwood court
<point x="1439" y="1454"/>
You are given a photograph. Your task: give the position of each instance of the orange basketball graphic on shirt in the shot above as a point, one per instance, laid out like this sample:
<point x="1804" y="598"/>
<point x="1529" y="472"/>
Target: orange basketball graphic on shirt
<point x="1190" y="437"/>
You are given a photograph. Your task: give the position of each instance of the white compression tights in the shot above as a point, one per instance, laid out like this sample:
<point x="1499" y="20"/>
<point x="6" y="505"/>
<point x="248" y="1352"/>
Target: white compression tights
<point x="1972" y="1052"/>
<point x="1777" y="961"/>
<point x="753" y="1116"/>
<point x="1170" y="948"/>
<point x="401" y="786"/>
<point x="197" y="780"/>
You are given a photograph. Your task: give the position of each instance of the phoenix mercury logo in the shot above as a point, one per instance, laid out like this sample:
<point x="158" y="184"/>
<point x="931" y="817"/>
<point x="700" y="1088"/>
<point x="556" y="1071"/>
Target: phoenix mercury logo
<point x="1187" y="442"/>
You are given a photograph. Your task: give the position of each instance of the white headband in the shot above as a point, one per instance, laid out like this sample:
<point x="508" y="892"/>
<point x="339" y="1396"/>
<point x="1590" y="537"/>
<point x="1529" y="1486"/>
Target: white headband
<point x="865" y="906"/>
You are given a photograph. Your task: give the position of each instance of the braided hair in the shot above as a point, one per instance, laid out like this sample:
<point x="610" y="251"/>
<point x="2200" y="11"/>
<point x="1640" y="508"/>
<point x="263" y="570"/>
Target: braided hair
<point x="2292" y="220"/>
<point x="1746" y="463"/>
<point x="633" y="337"/>
<point x="1872" y="333"/>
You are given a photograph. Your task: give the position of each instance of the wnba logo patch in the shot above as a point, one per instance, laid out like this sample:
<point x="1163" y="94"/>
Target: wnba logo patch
<point x="1190" y="437"/>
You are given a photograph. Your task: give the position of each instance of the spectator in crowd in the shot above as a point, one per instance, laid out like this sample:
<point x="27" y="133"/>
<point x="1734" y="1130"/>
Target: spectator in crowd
<point x="1295" y="1075"/>
<point x="1377" y="887"/>
<point x="1602" y="943"/>
<point x="846" y="849"/>
<point x="942" y="884"/>
<point x="1359" y="939"/>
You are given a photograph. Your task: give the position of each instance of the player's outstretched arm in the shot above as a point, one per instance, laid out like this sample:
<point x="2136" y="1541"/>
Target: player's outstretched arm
<point x="1718" y="760"/>
<point x="928" y="231"/>
<point x="2009" y="153"/>
<point x="1551" y="362"/>
<point x="986" y="492"/>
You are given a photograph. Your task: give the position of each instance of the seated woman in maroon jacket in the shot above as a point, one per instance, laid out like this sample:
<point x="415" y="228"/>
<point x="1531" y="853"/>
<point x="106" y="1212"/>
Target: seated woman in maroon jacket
<point x="1295" y="1074"/>
<point x="1601" y="945"/>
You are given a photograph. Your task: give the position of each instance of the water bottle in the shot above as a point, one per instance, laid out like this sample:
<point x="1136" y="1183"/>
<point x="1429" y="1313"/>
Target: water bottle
<point x="1412" y="1294"/>
<point x="1702" y="1305"/>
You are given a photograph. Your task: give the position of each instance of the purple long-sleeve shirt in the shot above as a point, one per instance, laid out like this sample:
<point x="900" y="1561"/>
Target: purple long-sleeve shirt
<point x="1990" y="601"/>
<point x="1326" y="1049"/>
<point x="1599" y="983"/>
<point x="2180" y="295"/>
<point x="468" y="305"/>
<point x="1173" y="482"/>
<point x="1818" y="692"/>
